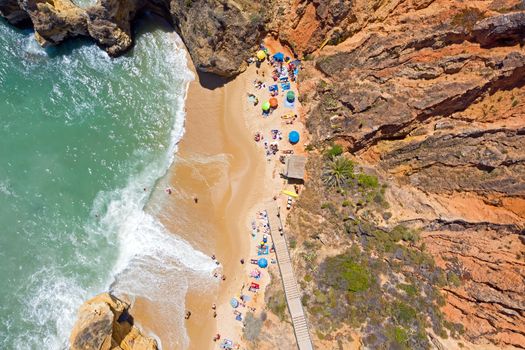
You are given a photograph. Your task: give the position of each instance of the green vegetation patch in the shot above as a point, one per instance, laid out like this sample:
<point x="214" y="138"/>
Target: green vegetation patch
<point x="367" y="181"/>
<point x="344" y="273"/>
<point x="385" y="283"/>
<point x="334" y="151"/>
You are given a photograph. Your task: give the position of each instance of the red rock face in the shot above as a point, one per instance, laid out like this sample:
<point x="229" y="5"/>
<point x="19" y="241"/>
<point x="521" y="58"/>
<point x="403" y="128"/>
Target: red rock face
<point x="491" y="298"/>
<point x="431" y="95"/>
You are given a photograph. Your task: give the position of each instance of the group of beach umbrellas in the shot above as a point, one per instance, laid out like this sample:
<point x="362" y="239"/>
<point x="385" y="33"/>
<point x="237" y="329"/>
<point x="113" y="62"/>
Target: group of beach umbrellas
<point x="294" y="136"/>
<point x="274" y="103"/>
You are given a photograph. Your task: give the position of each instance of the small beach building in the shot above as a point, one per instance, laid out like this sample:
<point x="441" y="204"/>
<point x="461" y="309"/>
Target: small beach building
<point x="295" y="167"/>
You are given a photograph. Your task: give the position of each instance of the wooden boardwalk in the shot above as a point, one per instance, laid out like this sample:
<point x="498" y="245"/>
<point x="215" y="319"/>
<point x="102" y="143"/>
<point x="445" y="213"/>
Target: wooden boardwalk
<point x="291" y="290"/>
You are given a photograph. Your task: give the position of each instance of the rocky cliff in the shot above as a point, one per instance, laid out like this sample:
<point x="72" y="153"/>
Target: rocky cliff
<point x="429" y="95"/>
<point x="219" y="35"/>
<point x="104" y="323"/>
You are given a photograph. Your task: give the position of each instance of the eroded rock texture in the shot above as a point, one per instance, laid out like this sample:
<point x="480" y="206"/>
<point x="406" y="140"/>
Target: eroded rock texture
<point x="431" y="95"/>
<point x="104" y="323"/>
<point x="219" y="35"/>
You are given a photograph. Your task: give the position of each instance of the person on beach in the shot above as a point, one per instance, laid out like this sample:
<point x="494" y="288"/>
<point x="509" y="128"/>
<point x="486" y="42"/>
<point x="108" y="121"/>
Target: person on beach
<point x="196" y="200"/>
<point x="224" y="277"/>
<point x="213" y="307"/>
<point x="168" y="190"/>
<point x="242" y="261"/>
<point x="213" y="257"/>
<point x="188" y="314"/>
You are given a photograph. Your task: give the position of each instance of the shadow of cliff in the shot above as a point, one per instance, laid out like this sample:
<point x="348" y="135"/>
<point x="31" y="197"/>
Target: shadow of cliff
<point x="212" y="81"/>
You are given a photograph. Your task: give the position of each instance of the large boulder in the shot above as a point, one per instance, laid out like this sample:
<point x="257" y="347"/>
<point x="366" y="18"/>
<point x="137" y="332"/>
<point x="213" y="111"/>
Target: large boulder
<point x="220" y="35"/>
<point x="104" y="323"/>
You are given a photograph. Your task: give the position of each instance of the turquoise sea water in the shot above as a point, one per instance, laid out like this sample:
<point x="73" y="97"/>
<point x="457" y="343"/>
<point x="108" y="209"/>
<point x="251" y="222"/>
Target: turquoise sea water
<point x="81" y="136"/>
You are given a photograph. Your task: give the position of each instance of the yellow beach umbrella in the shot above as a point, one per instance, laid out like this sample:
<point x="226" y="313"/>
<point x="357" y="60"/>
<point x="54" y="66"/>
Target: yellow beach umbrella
<point x="261" y="55"/>
<point x="290" y="193"/>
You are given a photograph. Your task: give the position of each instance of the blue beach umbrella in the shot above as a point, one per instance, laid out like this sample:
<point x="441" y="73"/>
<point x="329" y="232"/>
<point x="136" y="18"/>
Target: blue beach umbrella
<point x="293" y="137"/>
<point x="279" y="57"/>
<point x="262" y="263"/>
<point x="234" y="303"/>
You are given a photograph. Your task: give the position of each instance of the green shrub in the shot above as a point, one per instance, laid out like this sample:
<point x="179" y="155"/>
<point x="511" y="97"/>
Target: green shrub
<point x="308" y="57"/>
<point x="410" y="289"/>
<point x="401" y="232"/>
<point x="304" y="299"/>
<point x="308" y="278"/>
<point x="403" y="313"/>
<point x="292" y="243"/>
<point x="453" y="279"/>
<point x="346" y="203"/>
<point x="344" y="273"/>
<point x="334" y="151"/>
<point x="338" y="171"/>
<point x="398" y="335"/>
<point x="367" y="181"/>
<point x="326" y="205"/>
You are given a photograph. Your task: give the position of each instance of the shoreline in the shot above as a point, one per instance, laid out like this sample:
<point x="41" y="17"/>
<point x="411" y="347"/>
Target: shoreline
<point x="221" y="179"/>
<point x="217" y="163"/>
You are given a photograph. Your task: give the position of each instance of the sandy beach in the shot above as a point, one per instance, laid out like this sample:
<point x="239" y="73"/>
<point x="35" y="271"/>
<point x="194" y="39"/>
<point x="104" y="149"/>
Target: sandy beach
<point x="220" y="180"/>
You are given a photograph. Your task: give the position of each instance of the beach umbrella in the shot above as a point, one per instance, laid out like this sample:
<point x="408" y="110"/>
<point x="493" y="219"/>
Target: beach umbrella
<point x="293" y="136"/>
<point x="273" y="102"/>
<point x="234" y="303"/>
<point x="266" y="106"/>
<point x="261" y="55"/>
<point x="290" y="96"/>
<point x="262" y="263"/>
<point x="290" y="193"/>
<point x="279" y="57"/>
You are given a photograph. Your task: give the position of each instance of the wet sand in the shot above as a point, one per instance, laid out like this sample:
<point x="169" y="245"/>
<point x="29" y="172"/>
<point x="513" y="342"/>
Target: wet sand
<point x="219" y="165"/>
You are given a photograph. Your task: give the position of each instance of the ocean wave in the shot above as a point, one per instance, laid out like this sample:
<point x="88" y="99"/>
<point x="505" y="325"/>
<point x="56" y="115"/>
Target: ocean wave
<point x="148" y="260"/>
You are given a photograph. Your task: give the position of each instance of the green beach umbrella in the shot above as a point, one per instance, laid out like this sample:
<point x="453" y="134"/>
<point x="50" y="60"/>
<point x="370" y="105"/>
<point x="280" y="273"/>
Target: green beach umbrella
<point x="290" y="96"/>
<point x="266" y="106"/>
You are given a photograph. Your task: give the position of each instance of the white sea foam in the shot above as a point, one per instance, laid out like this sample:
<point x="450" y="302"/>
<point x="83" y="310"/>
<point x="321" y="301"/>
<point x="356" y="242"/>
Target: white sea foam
<point x="151" y="262"/>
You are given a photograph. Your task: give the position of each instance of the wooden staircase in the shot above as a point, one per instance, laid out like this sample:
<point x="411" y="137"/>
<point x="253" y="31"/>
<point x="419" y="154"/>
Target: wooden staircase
<point x="291" y="289"/>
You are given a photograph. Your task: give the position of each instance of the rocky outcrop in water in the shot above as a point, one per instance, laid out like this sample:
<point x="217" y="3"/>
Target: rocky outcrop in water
<point x="219" y="35"/>
<point x="104" y="323"/>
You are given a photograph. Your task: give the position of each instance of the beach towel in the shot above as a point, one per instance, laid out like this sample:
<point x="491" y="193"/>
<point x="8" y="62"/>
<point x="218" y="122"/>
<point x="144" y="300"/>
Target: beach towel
<point x="262" y="251"/>
<point x="285" y="86"/>
<point x="273" y="88"/>
<point x="289" y="104"/>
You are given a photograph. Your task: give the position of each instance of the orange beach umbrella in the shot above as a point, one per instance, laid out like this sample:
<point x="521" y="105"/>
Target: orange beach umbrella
<point x="273" y="102"/>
